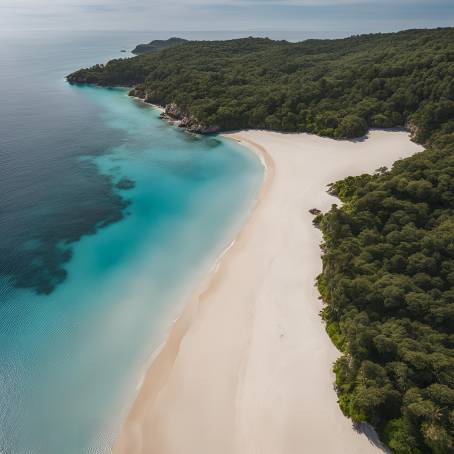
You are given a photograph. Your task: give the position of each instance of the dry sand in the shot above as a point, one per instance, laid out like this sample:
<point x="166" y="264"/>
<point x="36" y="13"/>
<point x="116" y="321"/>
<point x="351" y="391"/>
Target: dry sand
<point x="247" y="367"/>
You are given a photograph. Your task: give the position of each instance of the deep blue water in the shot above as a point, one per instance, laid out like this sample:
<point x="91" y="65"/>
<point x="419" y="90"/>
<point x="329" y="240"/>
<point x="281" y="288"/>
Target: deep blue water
<point x="92" y="275"/>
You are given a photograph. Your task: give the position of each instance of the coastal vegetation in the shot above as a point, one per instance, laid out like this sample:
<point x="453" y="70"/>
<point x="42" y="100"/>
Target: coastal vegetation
<point x="388" y="252"/>
<point x="388" y="285"/>
<point x="336" y="88"/>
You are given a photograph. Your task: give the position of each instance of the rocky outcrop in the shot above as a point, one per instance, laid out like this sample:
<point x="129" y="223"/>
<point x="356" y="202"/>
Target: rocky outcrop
<point x="138" y="92"/>
<point x="200" y="128"/>
<point x="173" y="114"/>
<point x="190" y="123"/>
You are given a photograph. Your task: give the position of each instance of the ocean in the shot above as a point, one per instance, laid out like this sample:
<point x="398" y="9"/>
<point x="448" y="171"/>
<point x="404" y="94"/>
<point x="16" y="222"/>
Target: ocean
<point x="109" y="220"/>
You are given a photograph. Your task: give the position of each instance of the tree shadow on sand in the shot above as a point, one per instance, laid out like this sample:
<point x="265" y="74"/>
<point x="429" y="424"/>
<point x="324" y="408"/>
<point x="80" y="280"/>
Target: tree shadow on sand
<point x="371" y="434"/>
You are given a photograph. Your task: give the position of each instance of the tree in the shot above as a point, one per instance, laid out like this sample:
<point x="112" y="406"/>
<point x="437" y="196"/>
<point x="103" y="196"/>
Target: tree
<point x="351" y="126"/>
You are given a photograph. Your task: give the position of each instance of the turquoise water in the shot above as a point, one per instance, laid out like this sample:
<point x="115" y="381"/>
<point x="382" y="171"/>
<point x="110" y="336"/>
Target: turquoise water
<point x="93" y="275"/>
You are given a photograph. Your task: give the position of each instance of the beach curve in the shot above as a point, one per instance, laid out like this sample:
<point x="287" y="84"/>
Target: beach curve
<point x="247" y="366"/>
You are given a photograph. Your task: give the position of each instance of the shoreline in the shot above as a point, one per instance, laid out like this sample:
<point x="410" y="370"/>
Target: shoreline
<point x="142" y="101"/>
<point x="161" y="360"/>
<point x="232" y="375"/>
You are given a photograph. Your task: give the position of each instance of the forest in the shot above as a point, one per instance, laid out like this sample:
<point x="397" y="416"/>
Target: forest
<point x="388" y="251"/>
<point x="336" y="88"/>
<point x="388" y="285"/>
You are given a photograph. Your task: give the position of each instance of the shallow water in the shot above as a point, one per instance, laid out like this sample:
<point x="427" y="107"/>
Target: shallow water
<point x="92" y="275"/>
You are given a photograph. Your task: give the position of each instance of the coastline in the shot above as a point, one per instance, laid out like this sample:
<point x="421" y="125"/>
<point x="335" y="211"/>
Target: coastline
<point x="142" y="101"/>
<point x="161" y="361"/>
<point x="247" y="366"/>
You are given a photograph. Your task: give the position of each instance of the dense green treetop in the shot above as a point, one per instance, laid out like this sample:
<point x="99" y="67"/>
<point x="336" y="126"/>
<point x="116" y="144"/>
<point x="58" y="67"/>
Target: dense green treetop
<point x="336" y="88"/>
<point x="388" y="285"/>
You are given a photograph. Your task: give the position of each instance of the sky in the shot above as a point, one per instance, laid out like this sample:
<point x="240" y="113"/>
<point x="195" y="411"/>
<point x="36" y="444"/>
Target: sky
<point x="355" y="16"/>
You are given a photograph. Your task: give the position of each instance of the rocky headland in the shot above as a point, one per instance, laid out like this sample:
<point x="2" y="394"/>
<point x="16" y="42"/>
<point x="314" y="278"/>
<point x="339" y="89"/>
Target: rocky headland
<point x="175" y="115"/>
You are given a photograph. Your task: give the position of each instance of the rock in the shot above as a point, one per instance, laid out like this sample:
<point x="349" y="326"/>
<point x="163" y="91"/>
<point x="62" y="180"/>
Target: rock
<point x="202" y="129"/>
<point x="137" y="93"/>
<point x="191" y="124"/>
<point x="173" y="111"/>
<point x="149" y="98"/>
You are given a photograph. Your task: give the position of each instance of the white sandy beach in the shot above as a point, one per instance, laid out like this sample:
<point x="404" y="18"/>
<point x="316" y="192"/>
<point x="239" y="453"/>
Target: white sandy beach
<point x="247" y="369"/>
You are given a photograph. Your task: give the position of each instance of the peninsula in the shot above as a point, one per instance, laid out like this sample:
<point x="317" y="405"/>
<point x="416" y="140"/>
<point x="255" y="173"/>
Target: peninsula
<point x="157" y="44"/>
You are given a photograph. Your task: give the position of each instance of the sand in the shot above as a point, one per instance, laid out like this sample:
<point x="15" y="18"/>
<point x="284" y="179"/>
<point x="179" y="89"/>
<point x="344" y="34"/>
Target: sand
<point x="247" y="369"/>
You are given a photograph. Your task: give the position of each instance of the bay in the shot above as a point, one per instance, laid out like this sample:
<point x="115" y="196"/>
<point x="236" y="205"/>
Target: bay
<point x="109" y="220"/>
